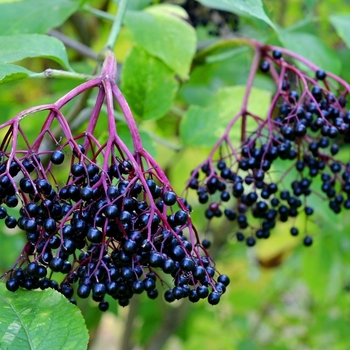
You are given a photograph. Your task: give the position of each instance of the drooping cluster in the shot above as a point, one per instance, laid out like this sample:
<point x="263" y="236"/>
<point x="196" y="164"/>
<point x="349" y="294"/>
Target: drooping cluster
<point x="98" y="219"/>
<point x="300" y="149"/>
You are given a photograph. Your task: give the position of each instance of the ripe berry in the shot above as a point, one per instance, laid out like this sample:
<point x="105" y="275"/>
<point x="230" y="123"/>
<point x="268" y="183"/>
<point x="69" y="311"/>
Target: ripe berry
<point x="240" y="236"/>
<point x="68" y="246"/>
<point x="83" y="291"/>
<point x="103" y="305"/>
<point x="206" y="243"/>
<point x="111" y="211"/>
<point x="127" y="273"/>
<point x="309" y="210"/>
<point x="149" y="284"/>
<point x="99" y="290"/>
<point x="155" y="259"/>
<point x="28" y="165"/>
<point x="169" y="296"/>
<point x="153" y="294"/>
<point x="178" y="293"/>
<point x="32" y="269"/>
<point x="57" y="157"/>
<point x="3" y="212"/>
<point x="187" y="264"/>
<point x="12" y="284"/>
<point x="86" y="193"/>
<point x="307" y="241"/>
<point x="10" y="222"/>
<point x="130" y="246"/>
<point x="169" y="198"/>
<point x="50" y="225"/>
<point x="168" y="265"/>
<point x="94" y="235"/>
<point x="225" y="196"/>
<point x="265" y="66"/>
<point x="56" y="264"/>
<point x="250" y="241"/>
<point x="230" y="214"/>
<point x="277" y="54"/>
<point x="41" y="271"/>
<point x="199" y="273"/>
<point x="11" y="201"/>
<point x="138" y="287"/>
<point x="180" y="217"/>
<point x="202" y="291"/>
<point x="214" y="298"/>
<point x="224" y="279"/>
<point x="320" y="74"/>
<point x="193" y="296"/>
<point x="294" y="231"/>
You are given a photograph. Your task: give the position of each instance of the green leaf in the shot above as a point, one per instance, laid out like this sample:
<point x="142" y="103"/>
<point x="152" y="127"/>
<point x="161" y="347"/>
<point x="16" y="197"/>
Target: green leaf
<point x="204" y="126"/>
<point x="11" y="72"/>
<point x="34" y="16"/>
<point x="40" y="320"/>
<point x="17" y="47"/>
<point x="341" y="23"/>
<point x="167" y="37"/>
<point x="312" y="48"/>
<point x="250" y="8"/>
<point x="136" y="4"/>
<point x="148" y="84"/>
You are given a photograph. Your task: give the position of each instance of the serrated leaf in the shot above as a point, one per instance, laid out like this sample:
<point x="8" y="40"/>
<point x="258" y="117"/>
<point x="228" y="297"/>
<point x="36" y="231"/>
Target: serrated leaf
<point x="14" y="48"/>
<point x="203" y="126"/>
<point x="148" y="84"/>
<point x="40" y="320"/>
<point x="167" y="37"/>
<point x="34" y="16"/>
<point x="250" y="8"/>
<point x="312" y="48"/>
<point x="11" y="72"/>
<point x="341" y="23"/>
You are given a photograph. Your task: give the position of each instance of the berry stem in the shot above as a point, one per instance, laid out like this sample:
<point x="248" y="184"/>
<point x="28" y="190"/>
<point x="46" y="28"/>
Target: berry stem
<point x="138" y="147"/>
<point x="249" y="86"/>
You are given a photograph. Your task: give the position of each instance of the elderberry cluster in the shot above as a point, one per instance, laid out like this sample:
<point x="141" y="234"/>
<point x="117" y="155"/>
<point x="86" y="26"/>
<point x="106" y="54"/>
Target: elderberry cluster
<point x="305" y="133"/>
<point x="99" y="220"/>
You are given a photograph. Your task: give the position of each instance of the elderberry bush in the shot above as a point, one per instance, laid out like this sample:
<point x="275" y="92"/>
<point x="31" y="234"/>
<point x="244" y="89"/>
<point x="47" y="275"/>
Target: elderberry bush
<point x="296" y="151"/>
<point x="98" y="218"/>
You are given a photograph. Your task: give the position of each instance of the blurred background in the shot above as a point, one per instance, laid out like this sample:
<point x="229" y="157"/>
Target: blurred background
<point x="282" y="295"/>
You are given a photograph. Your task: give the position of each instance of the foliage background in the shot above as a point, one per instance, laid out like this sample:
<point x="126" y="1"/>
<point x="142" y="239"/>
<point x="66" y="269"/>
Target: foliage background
<point x="282" y="295"/>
